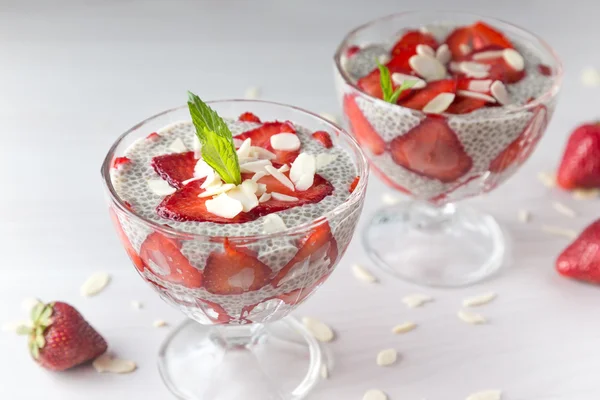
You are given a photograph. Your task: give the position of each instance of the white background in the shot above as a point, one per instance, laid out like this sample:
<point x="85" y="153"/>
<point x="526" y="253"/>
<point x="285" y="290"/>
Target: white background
<point x="76" y="74"/>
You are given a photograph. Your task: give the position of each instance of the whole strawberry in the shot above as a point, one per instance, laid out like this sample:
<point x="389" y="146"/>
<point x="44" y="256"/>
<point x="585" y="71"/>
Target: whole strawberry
<point x="60" y="338"/>
<point x="581" y="260"/>
<point x="580" y="165"/>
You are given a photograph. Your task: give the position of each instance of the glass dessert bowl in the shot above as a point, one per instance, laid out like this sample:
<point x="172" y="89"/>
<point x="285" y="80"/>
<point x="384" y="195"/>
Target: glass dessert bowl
<point x="446" y="106"/>
<point x="237" y="259"/>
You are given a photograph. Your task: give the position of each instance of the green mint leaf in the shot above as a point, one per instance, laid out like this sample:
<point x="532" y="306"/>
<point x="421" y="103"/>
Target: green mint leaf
<point x="385" y="81"/>
<point x="405" y="85"/>
<point x="218" y="149"/>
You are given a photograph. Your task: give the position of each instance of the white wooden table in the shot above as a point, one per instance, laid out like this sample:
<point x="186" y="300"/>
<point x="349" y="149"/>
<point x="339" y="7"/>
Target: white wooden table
<point x="74" y="74"/>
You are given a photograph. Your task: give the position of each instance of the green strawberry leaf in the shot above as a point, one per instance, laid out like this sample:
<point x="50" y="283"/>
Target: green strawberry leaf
<point x="40" y="341"/>
<point x="24" y="330"/>
<point x="218" y="149"/>
<point x="34" y="349"/>
<point x="36" y="311"/>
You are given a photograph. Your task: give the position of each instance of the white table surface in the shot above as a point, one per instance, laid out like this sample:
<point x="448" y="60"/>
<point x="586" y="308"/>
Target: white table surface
<point x="74" y="74"/>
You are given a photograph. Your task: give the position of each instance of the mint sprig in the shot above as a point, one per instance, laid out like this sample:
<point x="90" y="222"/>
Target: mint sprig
<point x="389" y="94"/>
<point x="218" y="149"/>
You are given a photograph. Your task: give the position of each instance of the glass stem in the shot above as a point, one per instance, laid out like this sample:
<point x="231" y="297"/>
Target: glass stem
<point x="429" y="217"/>
<point x="237" y="336"/>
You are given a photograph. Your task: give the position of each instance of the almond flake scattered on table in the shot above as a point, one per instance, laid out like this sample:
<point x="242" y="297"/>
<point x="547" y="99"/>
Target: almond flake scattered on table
<point x="324" y="372"/>
<point x="361" y="273"/>
<point x="590" y="77"/>
<point x="389" y="199"/>
<point x="106" y="363"/>
<point x="374" y="394"/>
<point x="486" y="395"/>
<point x="586" y="194"/>
<point x="416" y="300"/>
<point x="159" y="323"/>
<point x="471" y="318"/>
<point x="524" y="216"/>
<point x="563" y="209"/>
<point x="547" y="179"/>
<point x="558" y="231"/>
<point x="136" y="305"/>
<point x="387" y="357"/>
<point x="404" y="327"/>
<point x="95" y="284"/>
<point x="479" y="300"/>
<point x="252" y="93"/>
<point x="318" y="329"/>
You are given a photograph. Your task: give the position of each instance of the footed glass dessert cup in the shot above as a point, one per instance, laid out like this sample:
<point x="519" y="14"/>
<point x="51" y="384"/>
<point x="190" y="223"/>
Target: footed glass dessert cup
<point x="238" y="345"/>
<point x="437" y="147"/>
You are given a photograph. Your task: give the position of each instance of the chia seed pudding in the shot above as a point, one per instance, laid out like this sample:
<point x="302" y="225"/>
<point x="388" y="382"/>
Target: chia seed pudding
<point x="220" y="277"/>
<point x="480" y="102"/>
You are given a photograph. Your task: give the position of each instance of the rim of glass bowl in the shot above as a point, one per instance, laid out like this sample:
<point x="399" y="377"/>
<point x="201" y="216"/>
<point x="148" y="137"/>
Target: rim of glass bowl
<point x="361" y="163"/>
<point x="541" y="99"/>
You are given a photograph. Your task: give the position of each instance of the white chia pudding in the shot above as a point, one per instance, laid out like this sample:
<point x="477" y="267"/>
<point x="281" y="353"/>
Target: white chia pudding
<point x="492" y="140"/>
<point x="288" y="279"/>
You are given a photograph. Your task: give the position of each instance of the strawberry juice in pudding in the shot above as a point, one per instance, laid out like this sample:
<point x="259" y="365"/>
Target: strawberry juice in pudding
<point x="446" y="106"/>
<point x="235" y="218"/>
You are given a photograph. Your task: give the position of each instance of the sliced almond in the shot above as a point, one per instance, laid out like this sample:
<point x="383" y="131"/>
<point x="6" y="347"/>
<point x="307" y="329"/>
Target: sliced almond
<point x="590" y="77"/>
<point x="498" y="90"/>
<point x="404" y="327"/>
<point x="188" y="181"/>
<point x="425" y="50"/>
<point x="283" y="197"/>
<point x="178" y="146"/>
<point x="465" y="48"/>
<point x="305" y="182"/>
<point x="474" y="69"/>
<point x="95" y="284"/>
<point x="479" y="300"/>
<point x="280" y="177"/>
<point x="443" y="54"/>
<point x="216" y="190"/>
<point x="324" y="372"/>
<point x="488" y="55"/>
<point x="416" y="300"/>
<point x="563" y="209"/>
<point x="547" y="180"/>
<point x="387" y="357"/>
<point x="246" y="196"/>
<point x="363" y="274"/>
<point x="244" y="150"/>
<point x="471" y="318"/>
<point x="159" y="323"/>
<point x="106" y="363"/>
<point x="318" y="329"/>
<point x="439" y="103"/>
<point x="486" y="395"/>
<point x="383" y="58"/>
<point x="284" y="168"/>
<point x="400" y="78"/>
<point x="285" y="142"/>
<point x="262" y="154"/>
<point x="389" y="199"/>
<point x="427" y="67"/>
<point x="224" y="206"/>
<point x="264" y="198"/>
<point x="480" y="85"/>
<point x="303" y="164"/>
<point x="160" y="187"/>
<point x="524" y="216"/>
<point x="374" y="394"/>
<point x="586" y="194"/>
<point x="558" y="231"/>
<point x="252" y="93"/>
<point x="514" y="59"/>
<point x="476" y="95"/>
<point x="255" y="166"/>
<point x="258" y="176"/>
<point x="273" y="223"/>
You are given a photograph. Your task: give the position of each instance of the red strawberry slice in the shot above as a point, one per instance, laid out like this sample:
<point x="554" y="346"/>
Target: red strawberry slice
<point x="413" y="38"/>
<point x="465" y="105"/>
<point x="581" y="260"/>
<point x="185" y="205"/>
<point x="234" y="271"/>
<point x="388" y="181"/>
<point x="315" y="247"/>
<point x="580" y="165"/>
<point x="153" y="136"/>
<point x="299" y="295"/>
<point x="544" y="70"/>
<point x="423" y="96"/>
<point x="119" y="161"/>
<point x="248" y="117"/>
<point x="354" y="184"/>
<point x="135" y="258"/>
<point x="500" y="70"/>
<point x="323" y="138"/>
<point x="164" y="259"/>
<point x="175" y="168"/>
<point x="215" y="312"/>
<point x="457" y="38"/>
<point x="352" y="50"/>
<point x="432" y="149"/>
<point x="522" y="147"/>
<point x="261" y="137"/>
<point x="361" y="128"/>
<point x="484" y="35"/>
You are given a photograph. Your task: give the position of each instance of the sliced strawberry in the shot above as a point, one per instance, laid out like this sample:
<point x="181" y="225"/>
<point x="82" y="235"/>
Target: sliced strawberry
<point x="503" y="72"/>
<point x="249" y="117"/>
<point x="465" y="105"/>
<point x="361" y="128"/>
<point x="185" y="205"/>
<point x="234" y="271"/>
<point x="544" y="70"/>
<point x="432" y="149"/>
<point x="324" y="138"/>
<point x="175" y="168"/>
<point x="119" y="161"/>
<point x="299" y="295"/>
<point x="318" y="246"/>
<point x="163" y="257"/>
<point x="388" y="181"/>
<point x="412" y="39"/>
<point x="215" y="312"/>
<point x="423" y="96"/>
<point x="484" y="35"/>
<point x="133" y="255"/>
<point x="153" y="136"/>
<point x="352" y="50"/>
<point x="261" y="137"/>
<point x="459" y="37"/>
<point x="354" y="184"/>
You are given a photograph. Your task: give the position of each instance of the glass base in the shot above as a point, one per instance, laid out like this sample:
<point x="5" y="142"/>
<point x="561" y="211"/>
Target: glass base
<point x="435" y="246"/>
<point x="276" y="361"/>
